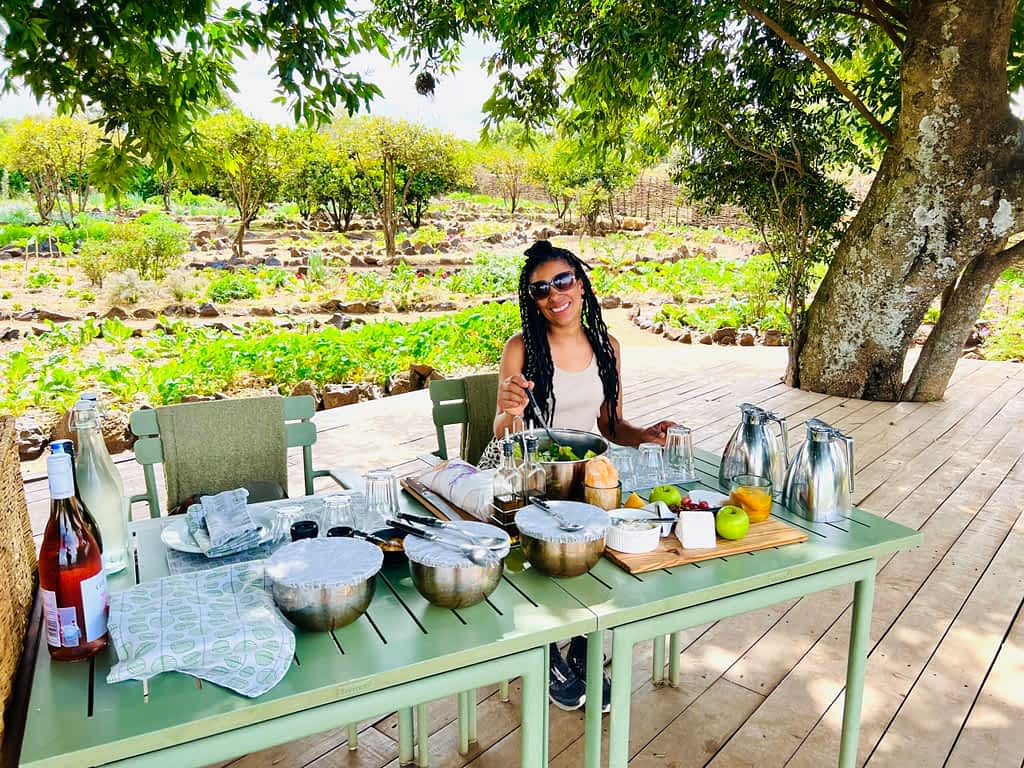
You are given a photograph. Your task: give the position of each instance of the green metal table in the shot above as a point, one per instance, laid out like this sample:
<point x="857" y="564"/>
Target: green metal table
<point x="651" y="605"/>
<point x="402" y="653"/>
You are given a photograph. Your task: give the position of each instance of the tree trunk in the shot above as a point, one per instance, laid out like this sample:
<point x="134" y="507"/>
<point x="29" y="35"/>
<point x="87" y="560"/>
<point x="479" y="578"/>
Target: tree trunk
<point x="388" y="214"/>
<point x="947" y="191"/>
<point x="942" y="348"/>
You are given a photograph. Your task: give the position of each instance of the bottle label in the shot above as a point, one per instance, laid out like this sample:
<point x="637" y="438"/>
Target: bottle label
<point x="61" y="476"/>
<point x="51" y="617"/>
<point x="95" y="605"/>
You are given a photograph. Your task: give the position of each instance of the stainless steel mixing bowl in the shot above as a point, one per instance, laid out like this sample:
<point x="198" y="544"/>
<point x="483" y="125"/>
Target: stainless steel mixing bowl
<point x="323" y="608"/>
<point x="450" y="587"/>
<point x="565" y="478"/>
<point x="560" y="560"/>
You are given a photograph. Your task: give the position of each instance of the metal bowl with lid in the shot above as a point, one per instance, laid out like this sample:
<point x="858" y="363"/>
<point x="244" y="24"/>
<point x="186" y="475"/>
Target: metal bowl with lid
<point x="565" y="478"/>
<point x="558" y="552"/>
<point x="323" y="584"/>
<point x="446" y="577"/>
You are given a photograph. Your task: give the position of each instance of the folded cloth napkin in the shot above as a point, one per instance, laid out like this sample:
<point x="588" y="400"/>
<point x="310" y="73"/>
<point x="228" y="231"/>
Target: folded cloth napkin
<point x="467" y="487"/>
<point x="220" y="625"/>
<point x="221" y="524"/>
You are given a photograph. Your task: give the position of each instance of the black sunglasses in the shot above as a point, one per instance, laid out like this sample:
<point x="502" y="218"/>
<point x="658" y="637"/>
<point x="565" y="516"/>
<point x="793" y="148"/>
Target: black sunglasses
<point x="561" y="282"/>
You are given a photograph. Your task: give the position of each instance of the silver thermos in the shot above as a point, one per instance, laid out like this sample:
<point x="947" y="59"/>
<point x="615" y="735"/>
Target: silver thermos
<point x="819" y="483"/>
<point x="754" y="449"/>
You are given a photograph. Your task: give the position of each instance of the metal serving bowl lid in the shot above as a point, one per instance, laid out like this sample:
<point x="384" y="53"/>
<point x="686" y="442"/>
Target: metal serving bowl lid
<point x="333" y="562"/>
<point x="534" y="522"/>
<point x="436" y="555"/>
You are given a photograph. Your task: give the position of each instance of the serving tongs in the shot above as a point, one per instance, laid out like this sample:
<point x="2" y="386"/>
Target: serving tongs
<point x="476" y="553"/>
<point x="491" y="542"/>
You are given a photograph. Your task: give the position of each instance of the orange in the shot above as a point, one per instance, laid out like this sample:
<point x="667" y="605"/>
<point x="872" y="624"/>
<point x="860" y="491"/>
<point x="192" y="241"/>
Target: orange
<point x="756" y="502"/>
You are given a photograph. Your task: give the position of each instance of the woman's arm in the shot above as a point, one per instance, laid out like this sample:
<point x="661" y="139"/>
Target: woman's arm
<point x="512" y="400"/>
<point x="627" y="433"/>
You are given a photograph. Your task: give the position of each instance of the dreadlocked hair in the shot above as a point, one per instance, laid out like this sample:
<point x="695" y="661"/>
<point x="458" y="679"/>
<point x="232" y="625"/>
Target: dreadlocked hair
<point x="538" y="366"/>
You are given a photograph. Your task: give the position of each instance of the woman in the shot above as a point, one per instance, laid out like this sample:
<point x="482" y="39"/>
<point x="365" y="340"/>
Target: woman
<point x="567" y="357"/>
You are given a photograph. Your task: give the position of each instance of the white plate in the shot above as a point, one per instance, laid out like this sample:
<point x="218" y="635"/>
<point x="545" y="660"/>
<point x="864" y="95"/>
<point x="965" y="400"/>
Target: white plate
<point x="714" y="499"/>
<point x="175" y="535"/>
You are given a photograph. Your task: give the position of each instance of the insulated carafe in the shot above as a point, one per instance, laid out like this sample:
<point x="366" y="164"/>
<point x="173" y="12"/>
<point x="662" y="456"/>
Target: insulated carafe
<point x="819" y="483"/>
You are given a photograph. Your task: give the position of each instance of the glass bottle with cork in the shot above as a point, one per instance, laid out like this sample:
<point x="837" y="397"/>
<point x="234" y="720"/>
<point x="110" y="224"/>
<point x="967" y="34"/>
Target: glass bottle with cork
<point x="72" y="582"/>
<point x="68" y="447"/>
<point x="535" y="479"/>
<point x="99" y="484"/>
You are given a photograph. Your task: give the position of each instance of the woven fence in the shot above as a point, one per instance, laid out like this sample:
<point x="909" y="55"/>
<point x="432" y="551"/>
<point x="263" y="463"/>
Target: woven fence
<point x="17" y="561"/>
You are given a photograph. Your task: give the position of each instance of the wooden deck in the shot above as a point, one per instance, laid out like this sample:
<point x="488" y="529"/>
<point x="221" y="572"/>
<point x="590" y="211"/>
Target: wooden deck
<point x="945" y="678"/>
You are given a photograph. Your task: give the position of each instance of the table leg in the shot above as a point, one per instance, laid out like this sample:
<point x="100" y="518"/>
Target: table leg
<point x="463" y="722"/>
<point x="422" y="736"/>
<point x="406" y="751"/>
<point x="503" y="687"/>
<point x="533" y="739"/>
<point x="860" y="630"/>
<point x="353" y="737"/>
<point x="471" y="715"/>
<point x="658" y="670"/>
<point x="674" y="647"/>
<point x="545" y="726"/>
<point x="592" y="713"/>
<point x="618" y="720"/>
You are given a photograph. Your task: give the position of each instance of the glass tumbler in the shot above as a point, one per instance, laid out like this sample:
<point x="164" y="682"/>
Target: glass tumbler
<point x="754" y="494"/>
<point x="381" y="500"/>
<point x="679" y="455"/>
<point x="650" y="470"/>
<point x="284" y="517"/>
<point x="337" y="511"/>
<point x="623" y="461"/>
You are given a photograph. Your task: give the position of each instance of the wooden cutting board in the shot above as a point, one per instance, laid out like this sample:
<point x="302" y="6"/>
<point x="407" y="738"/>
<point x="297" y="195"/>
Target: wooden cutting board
<point x="433" y="501"/>
<point x="770" y="533"/>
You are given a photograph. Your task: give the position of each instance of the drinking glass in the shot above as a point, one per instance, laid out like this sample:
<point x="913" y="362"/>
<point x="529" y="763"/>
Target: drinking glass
<point x="607" y="497"/>
<point x="381" y="500"/>
<point x="622" y="459"/>
<point x="650" y="469"/>
<point x="754" y="494"/>
<point x="337" y="511"/>
<point x="679" y="454"/>
<point x="284" y="517"/>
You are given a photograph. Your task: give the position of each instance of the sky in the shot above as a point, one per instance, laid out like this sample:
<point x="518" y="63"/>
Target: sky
<point x="454" y="107"/>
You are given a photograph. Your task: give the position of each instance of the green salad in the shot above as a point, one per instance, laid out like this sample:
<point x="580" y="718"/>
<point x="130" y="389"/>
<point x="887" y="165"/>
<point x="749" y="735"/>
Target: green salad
<point x="554" y="452"/>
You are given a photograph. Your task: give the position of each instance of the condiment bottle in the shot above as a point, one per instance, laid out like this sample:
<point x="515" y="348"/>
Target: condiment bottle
<point x="508" y="480"/>
<point x="100" y="486"/>
<point x="68" y="447"/>
<point x="535" y="478"/>
<point x="72" y="582"/>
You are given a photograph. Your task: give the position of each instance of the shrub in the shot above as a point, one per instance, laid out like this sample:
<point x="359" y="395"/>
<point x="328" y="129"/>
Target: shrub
<point x="233" y="286"/>
<point x="94" y="260"/>
<point x="39" y="279"/>
<point x="127" y="288"/>
<point x="182" y="283"/>
<point x="151" y="245"/>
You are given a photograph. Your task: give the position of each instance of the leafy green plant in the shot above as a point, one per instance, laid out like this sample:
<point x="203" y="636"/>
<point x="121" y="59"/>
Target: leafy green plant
<point x="1006" y="338"/>
<point x="127" y="288"/>
<point x="233" y="286"/>
<point x="39" y="279"/>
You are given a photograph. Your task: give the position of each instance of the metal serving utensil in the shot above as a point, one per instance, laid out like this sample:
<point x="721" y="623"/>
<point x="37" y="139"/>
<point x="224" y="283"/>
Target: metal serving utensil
<point x="540" y="416"/>
<point x="491" y="542"/>
<point x="564" y="524"/>
<point x="477" y="554"/>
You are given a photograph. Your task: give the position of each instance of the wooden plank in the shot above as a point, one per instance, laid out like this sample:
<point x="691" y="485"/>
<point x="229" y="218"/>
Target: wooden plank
<point x="780" y="726"/>
<point x="926" y="725"/>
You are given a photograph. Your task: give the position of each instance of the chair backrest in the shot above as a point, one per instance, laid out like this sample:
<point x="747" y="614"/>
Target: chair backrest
<point x="17" y="563"/>
<point x="450" y="406"/>
<point x="299" y="431"/>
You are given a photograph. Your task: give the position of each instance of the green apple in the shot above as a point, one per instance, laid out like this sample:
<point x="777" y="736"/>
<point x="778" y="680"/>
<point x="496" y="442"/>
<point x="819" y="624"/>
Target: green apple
<point x="732" y="522"/>
<point x="667" y="493"/>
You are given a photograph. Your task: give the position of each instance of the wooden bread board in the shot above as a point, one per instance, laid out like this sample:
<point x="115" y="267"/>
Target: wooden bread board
<point x="770" y="533"/>
<point x="433" y="501"/>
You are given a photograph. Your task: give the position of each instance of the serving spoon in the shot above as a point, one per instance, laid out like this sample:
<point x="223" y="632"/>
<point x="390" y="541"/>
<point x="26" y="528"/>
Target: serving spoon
<point x="564" y="524"/>
<point x="476" y="554"/>
<point x="540" y="416"/>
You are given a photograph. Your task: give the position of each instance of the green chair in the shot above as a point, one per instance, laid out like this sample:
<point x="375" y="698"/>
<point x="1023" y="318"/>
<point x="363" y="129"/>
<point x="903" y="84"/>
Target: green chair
<point x="299" y="431"/>
<point x="470" y="402"/>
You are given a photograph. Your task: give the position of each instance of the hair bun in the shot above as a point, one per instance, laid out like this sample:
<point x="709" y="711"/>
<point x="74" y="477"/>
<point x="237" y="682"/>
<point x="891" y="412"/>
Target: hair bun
<point x="540" y="248"/>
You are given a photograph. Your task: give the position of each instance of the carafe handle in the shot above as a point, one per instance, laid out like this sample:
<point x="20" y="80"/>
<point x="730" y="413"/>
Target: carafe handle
<point x="849" y="453"/>
<point x="784" y="430"/>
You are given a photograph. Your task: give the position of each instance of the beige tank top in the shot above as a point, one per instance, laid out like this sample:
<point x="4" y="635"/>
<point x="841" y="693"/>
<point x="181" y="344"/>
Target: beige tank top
<point x="578" y="398"/>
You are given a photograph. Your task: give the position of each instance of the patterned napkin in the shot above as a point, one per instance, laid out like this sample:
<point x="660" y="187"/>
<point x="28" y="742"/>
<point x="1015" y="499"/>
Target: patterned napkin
<point x="221" y="523"/>
<point x="220" y="625"/>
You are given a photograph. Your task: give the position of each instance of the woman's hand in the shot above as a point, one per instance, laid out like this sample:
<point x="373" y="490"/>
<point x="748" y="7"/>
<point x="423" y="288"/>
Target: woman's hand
<point x="512" y="397"/>
<point x="656" y="432"/>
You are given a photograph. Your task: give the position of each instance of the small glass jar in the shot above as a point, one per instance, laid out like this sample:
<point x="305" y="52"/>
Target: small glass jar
<point x="753" y="494"/>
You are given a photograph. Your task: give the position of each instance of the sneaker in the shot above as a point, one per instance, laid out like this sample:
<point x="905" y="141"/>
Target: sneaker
<point x="576" y="659"/>
<point x="565" y="688"/>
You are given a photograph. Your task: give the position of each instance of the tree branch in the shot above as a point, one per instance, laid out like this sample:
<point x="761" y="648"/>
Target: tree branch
<point x="875" y="13"/>
<point x="754" y="150"/>
<point x="842" y="87"/>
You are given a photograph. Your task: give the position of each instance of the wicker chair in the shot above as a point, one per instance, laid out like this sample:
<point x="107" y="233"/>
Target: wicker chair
<point x="18" y="564"/>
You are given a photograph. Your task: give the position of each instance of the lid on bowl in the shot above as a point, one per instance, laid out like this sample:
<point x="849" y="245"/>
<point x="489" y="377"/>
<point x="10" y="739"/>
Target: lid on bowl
<point x="539" y="524"/>
<point x="432" y="554"/>
<point x="334" y="562"/>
